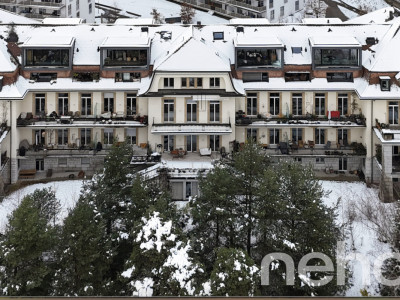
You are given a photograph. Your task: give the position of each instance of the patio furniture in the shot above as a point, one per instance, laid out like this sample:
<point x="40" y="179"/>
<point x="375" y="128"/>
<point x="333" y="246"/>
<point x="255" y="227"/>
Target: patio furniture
<point x="205" y="151"/>
<point x="301" y="144"/>
<point x="311" y="144"/>
<point x="294" y="146"/>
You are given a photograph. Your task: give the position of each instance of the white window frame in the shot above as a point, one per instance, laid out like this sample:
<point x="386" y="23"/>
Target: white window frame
<point x="86" y="99"/>
<point x="131" y="104"/>
<point x="251" y="110"/>
<point x="169" y="110"/>
<point x="274" y="104"/>
<point x="64" y="99"/>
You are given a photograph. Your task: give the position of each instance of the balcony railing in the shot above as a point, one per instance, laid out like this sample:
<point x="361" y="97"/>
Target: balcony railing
<point x="104" y="120"/>
<point x="28" y="3"/>
<point x="303" y="120"/>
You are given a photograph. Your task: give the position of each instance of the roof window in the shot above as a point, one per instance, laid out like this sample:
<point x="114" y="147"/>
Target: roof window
<point x="385" y="83"/>
<point x="297" y="50"/>
<point x="218" y="35"/>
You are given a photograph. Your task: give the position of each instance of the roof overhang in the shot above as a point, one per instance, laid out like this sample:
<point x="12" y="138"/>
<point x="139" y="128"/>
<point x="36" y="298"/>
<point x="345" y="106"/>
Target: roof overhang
<point x="257" y="42"/>
<point x="334" y="41"/>
<point x="49" y="42"/>
<point x="124" y="42"/>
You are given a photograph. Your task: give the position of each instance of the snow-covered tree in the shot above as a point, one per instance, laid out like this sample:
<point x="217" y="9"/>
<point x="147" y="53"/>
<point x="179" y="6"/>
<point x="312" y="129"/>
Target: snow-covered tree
<point x="157" y="16"/>
<point x="83" y="256"/>
<point x="234" y="274"/>
<point x="161" y="264"/>
<point x="187" y="13"/>
<point x="27" y="248"/>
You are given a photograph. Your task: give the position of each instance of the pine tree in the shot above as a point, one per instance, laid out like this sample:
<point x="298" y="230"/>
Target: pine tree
<point x="234" y="274"/>
<point x="83" y="254"/>
<point x="27" y="246"/>
<point x="391" y="267"/>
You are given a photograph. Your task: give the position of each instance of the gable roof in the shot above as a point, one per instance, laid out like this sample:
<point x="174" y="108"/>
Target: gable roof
<point x="195" y="56"/>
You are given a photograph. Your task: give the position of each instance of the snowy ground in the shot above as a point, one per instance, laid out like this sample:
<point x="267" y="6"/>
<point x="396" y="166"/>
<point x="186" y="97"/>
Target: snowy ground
<point x="368" y="5"/>
<point x="67" y="192"/>
<point x="166" y="8"/>
<point x="356" y="202"/>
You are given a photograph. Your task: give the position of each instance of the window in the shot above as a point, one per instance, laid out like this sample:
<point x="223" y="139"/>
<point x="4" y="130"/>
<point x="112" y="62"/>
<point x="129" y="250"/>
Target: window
<point x="40" y="137"/>
<point x="63" y="104"/>
<point x="297" y="76"/>
<point x="297" y="50"/>
<point x="108" y="136"/>
<point x="259" y="57"/>
<point x="192" y="82"/>
<point x="77" y="4"/>
<point x="297" y="134"/>
<point x="343" y="164"/>
<point x="214" y="82"/>
<point x="252" y="134"/>
<point x="191" y="143"/>
<point x="69" y="9"/>
<point x="169" y="113"/>
<point x="62" y="136"/>
<point x="297" y="104"/>
<point x="47" y="57"/>
<point x="131" y="104"/>
<point x="343" y="104"/>
<point x="218" y="35"/>
<point x="168" y="82"/>
<point x="272" y="14"/>
<point x="320" y="104"/>
<point x="340" y="57"/>
<point x="214" y="111"/>
<point x="109" y="102"/>
<point x="40" y="101"/>
<point x="282" y="10"/>
<point x="86" y="136"/>
<point x="271" y="3"/>
<point x="191" y="189"/>
<point x="274" y="100"/>
<point x="297" y="5"/>
<point x="385" y="83"/>
<point x="62" y="161"/>
<point x="85" y="161"/>
<point x="124" y="57"/>
<point x="214" y="142"/>
<point x="131" y="136"/>
<point x="127" y="77"/>
<point x="339" y="77"/>
<point x="343" y="137"/>
<point x="86" y="102"/>
<point x="251" y="104"/>
<point x="90" y="8"/>
<point x="168" y="142"/>
<point x="255" y="77"/>
<point x="393" y="112"/>
<point x="319" y="136"/>
<point x="191" y="111"/>
<point x="39" y="164"/>
<point x="320" y="160"/>
<point x="274" y="136"/>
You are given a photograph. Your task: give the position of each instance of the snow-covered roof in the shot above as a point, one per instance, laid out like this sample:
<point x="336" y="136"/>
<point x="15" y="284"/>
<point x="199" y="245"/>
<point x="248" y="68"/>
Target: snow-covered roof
<point x="260" y="41"/>
<point x="62" y="21"/>
<point x="249" y="21"/>
<point x="195" y="56"/>
<point x="5" y="59"/>
<point x="7" y="17"/>
<point x="334" y="41"/>
<point x="45" y="41"/>
<point x="137" y="41"/>
<point x="321" y="21"/>
<point x="379" y="16"/>
<point x="131" y="21"/>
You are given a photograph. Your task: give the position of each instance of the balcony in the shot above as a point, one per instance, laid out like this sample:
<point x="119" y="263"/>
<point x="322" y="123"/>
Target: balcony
<point x="298" y="121"/>
<point x="387" y="133"/>
<point x="76" y="120"/>
<point x="37" y="4"/>
<point x="242" y="4"/>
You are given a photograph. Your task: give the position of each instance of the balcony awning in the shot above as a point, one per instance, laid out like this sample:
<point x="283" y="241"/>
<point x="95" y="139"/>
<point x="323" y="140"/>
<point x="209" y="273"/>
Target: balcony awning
<point x="195" y="129"/>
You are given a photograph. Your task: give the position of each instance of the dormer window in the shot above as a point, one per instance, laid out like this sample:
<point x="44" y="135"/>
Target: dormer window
<point x="297" y="50"/>
<point x="253" y="54"/>
<point x="385" y="83"/>
<point x="52" y="53"/>
<point x="218" y="35"/>
<point x="118" y="52"/>
<point x="330" y="52"/>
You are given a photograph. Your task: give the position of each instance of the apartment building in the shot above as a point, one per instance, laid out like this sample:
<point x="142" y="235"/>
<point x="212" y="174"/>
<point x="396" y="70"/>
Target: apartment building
<point x="40" y="9"/>
<point x="326" y="95"/>
<point x="274" y="10"/>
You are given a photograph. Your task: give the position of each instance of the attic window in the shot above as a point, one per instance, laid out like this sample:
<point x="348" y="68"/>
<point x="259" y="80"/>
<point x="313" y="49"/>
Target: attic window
<point x="385" y="83"/>
<point x="218" y="35"/>
<point x="166" y="35"/>
<point x="240" y="29"/>
<point x="296" y="50"/>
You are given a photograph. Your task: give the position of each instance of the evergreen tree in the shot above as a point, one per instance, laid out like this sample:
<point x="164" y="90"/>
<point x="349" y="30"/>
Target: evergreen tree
<point x="234" y="274"/>
<point x="47" y="203"/>
<point x="391" y="267"/>
<point x="83" y="254"/>
<point x="27" y="246"/>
